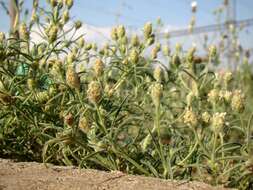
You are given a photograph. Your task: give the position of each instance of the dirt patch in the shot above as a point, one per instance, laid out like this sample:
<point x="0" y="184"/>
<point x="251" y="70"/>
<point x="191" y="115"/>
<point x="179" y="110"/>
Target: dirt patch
<point x="36" y="176"/>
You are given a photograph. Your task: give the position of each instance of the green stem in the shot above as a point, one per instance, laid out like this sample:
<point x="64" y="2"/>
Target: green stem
<point x="101" y="120"/>
<point x="190" y="153"/>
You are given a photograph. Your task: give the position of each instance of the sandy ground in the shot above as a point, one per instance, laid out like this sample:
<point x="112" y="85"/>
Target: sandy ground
<point x="36" y="176"/>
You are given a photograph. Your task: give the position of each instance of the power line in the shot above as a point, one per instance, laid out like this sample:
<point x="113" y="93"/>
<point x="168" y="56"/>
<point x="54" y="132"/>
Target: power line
<point x="208" y="28"/>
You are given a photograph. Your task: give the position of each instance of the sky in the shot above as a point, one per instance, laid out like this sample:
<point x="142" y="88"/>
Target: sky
<point x="100" y="15"/>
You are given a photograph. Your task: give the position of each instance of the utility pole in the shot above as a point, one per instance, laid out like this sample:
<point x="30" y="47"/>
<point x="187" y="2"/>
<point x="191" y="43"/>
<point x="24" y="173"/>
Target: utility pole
<point x="14" y="15"/>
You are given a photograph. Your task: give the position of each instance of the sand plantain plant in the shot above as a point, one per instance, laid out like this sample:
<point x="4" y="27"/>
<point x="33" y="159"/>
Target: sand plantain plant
<point x="118" y="107"/>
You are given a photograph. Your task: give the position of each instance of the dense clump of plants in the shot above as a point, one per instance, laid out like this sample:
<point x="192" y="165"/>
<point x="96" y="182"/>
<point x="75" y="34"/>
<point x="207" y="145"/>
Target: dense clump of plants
<point x="117" y="107"/>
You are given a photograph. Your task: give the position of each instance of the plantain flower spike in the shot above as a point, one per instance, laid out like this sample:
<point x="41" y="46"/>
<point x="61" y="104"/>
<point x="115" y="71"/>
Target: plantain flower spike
<point x="156" y="93"/>
<point x="121" y="31"/>
<point x="148" y="30"/>
<point x="158" y="74"/>
<point x="135" y="41"/>
<point x="72" y="78"/>
<point x="98" y="67"/>
<point x="23" y="31"/>
<point x="134" y="56"/>
<point x="114" y="34"/>
<point x="206" y="117"/>
<point x="69" y="3"/>
<point x="237" y="101"/>
<point x="84" y="124"/>
<point x="94" y="92"/>
<point x="218" y="121"/>
<point x="190" y="118"/>
<point x="213" y="96"/>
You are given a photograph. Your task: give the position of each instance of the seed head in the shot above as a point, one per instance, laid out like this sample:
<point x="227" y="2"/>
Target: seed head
<point x="52" y="34"/>
<point x="158" y="74"/>
<point x="84" y="124"/>
<point x="226" y="95"/>
<point x="98" y="67"/>
<point x="69" y="3"/>
<point x="2" y="37"/>
<point x="238" y="100"/>
<point x="69" y="119"/>
<point x="71" y="58"/>
<point x="134" y="56"/>
<point x="156" y="93"/>
<point x="218" y="121"/>
<point x="151" y="40"/>
<point x="114" y="34"/>
<point x="213" y="96"/>
<point x="206" y="117"/>
<point x="147" y="30"/>
<point x="135" y="40"/>
<point x="23" y="32"/>
<point x="178" y="48"/>
<point x="31" y="84"/>
<point x="154" y="53"/>
<point x="94" y="92"/>
<point x="72" y="78"/>
<point x="53" y="3"/>
<point x="176" y="60"/>
<point x="65" y="16"/>
<point x="78" y="24"/>
<point x="212" y="51"/>
<point x="228" y="77"/>
<point x="121" y="31"/>
<point x="81" y="42"/>
<point x="190" y="118"/>
<point x="166" y="50"/>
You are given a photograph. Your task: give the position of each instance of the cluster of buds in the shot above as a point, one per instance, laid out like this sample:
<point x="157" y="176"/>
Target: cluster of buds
<point x="237" y="101"/>
<point x="218" y="121"/>
<point x="72" y="78"/>
<point x="190" y="118"/>
<point x="156" y="93"/>
<point x="98" y="67"/>
<point x="94" y="92"/>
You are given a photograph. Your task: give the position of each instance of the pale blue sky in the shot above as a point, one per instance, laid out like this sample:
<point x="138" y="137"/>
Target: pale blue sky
<point x="134" y="13"/>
